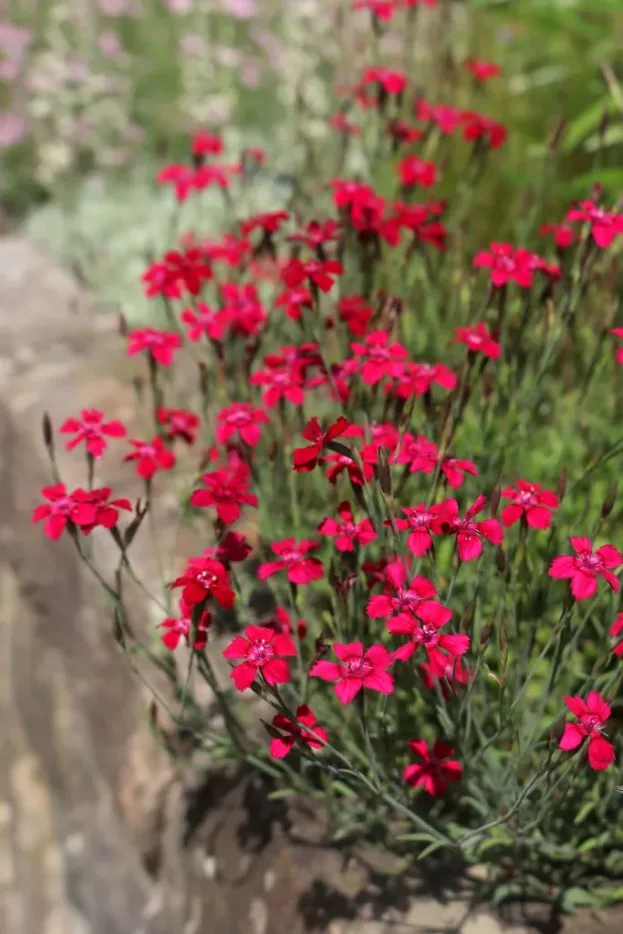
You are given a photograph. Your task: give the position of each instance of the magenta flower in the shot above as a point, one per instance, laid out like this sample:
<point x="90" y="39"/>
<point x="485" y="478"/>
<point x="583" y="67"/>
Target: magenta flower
<point x="585" y="566"/>
<point x="357" y="668"/>
<point x="293" y="731"/>
<point x="529" y="500"/>
<point x="242" y="418"/>
<point x="91" y="429"/>
<point x="478" y="340"/>
<point x="605" y="225"/>
<point x="591" y="716"/>
<point x="228" y="490"/>
<point x="347" y="532"/>
<point x="261" y="649"/>
<point x="469" y="534"/>
<point x="161" y="345"/>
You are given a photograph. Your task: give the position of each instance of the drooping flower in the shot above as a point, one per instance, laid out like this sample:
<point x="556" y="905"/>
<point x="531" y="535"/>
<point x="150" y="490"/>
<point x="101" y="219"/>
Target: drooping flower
<point x="161" y="345"/>
<point x="205" y="577"/>
<point x="529" y="500"/>
<point x="454" y="674"/>
<point x="616" y="632"/>
<point x="435" y="770"/>
<point x="347" y="532"/>
<point x="92" y="430"/>
<point x="585" y="566"/>
<point x="469" y="533"/>
<point x="226" y="489"/>
<point x="478" y="340"/>
<point x="263" y="652"/>
<point x="150" y="456"/>
<point x="357" y="668"/>
<point x="181" y="423"/>
<point x="242" y="418"/>
<point x="293" y="558"/>
<point x="293" y="731"/>
<point x="307" y="458"/>
<point x="591" y="715"/>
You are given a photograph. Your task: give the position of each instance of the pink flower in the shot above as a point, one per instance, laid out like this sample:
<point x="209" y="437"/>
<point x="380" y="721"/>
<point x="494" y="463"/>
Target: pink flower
<point x="403" y="597"/>
<point x="357" y="669"/>
<point x="285" y="382"/>
<point x="293" y="301"/>
<point x="419" y="520"/>
<point x="382" y="9"/>
<point x="261" y="650"/>
<point x="392" y="82"/>
<point x="194" y="634"/>
<point x="151" y="456"/>
<point x="242" y="418"/>
<point x="618" y="332"/>
<point x="591" y="716"/>
<point x="605" y="225"/>
<point x="435" y="770"/>
<point x="452" y="677"/>
<point x="205" y="143"/>
<point x="477" y="126"/>
<point x="378" y="358"/>
<point x="91" y="429"/>
<point x="415" y="171"/>
<point x="584" y="567"/>
<point x="293" y="558"/>
<point x="318" y="272"/>
<point x="563" y="234"/>
<point x="478" y="340"/>
<point x="294" y="732"/>
<point x="418" y="378"/>
<point x="203" y="320"/>
<point x="423" y="631"/>
<point x="529" y="500"/>
<point x="347" y="532"/>
<point x="508" y="264"/>
<point x="160" y="345"/>
<point x="615" y="631"/>
<point x="469" y="534"/>
<point x="446" y="117"/>
<point x="422" y="456"/>
<point x="356" y="314"/>
<point x="227" y="489"/>
<point x="85" y="509"/>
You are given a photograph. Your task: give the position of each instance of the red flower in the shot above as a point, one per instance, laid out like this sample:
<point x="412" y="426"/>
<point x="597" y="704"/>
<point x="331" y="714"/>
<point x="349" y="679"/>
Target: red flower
<point x="85" y="509"/>
<point x="402" y="132"/>
<point x="422" y="456"/>
<point x="226" y="489"/>
<point x="306" y="459"/>
<point x="562" y="233"/>
<point x="356" y="314"/>
<point x="341" y="462"/>
<point x="358" y="668"/>
<point x="204" y="320"/>
<point x="242" y="309"/>
<point x="195" y="634"/>
<point x="182" y="177"/>
<point x="208" y="175"/>
<point x="161" y="345"/>
<point x="615" y="631"/>
<point x="584" y="567"/>
<point x="242" y="418"/>
<point x="605" y="225"/>
<point x="440" y="648"/>
<point x="205" y="143"/>
<point x="406" y="598"/>
<point x="293" y="558"/>
<point x="205" y="577"/>
<point x="478" y="339"/>
<point x="317" y="233"/>
<point x="347" y="533"/>
<point x="419" y="520"/>
<point x="477" y="126"/>
<point x="446" y="117"/>
<point x="280" y="383"/>
<point x="415" y="171"/>
<point x="293" y="301"/>
<point x="378" y="358"/>
<point x="469" y="534"/>
<point x="392" y="82"/>
<point x="591" y="716"/>
<point x="453" y="675"/>
<point x="382" y="9"/>
<point x="281" y="746"/>
<point x="435" y="770"/>
<point x="618" y="332"/>
<point x="418" y="378"/>
<point x="281" y="622"/>
<point x="269" y="223"/>
<point x="508" y="264"/>
<point x="482" y="71"/>
<point x="529" y="500"/>
<point x="177" y="272"/>
<point x="319" y="272"/>
<point x="180" y="423"/>
<point x="260" y="648"/>
<point x="93" y="430"/>
<point x="150" y="456"/>
<point x="340" y="121"/>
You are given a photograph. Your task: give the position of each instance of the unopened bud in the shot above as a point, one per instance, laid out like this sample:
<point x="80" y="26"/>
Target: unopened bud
<point x="485" y="635"/>
<point x="48" y="432"/>
<point x="609" y="500"/>
<point x="384" y="473"/>
<point x="561" y="486"/>
<point x="467" y="617"/>
<point x="500" y="560"/>
<point x="494" y="500"/>
<point x="204" y="379"/>
<point x="123" y="325"/>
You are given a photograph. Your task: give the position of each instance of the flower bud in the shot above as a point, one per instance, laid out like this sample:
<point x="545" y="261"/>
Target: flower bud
<point x="609" y="500"/>
<point x="561" y="485"/>
<point x="48" y="431"/>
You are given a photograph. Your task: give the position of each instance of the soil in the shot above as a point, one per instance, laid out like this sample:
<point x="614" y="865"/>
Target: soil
<point x="99" y="832"/>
